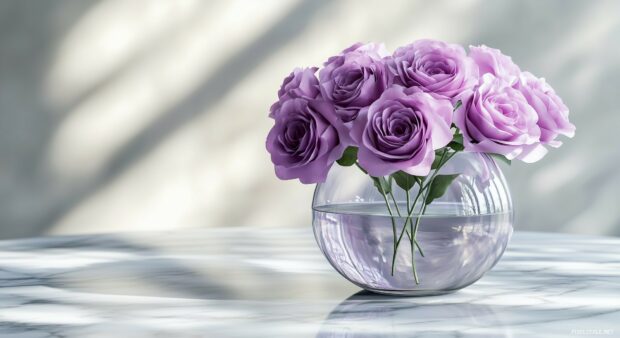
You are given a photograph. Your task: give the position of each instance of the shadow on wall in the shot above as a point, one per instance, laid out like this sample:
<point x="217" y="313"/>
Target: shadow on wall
<point x="33" y="200"/>
<point x="29" y="32"/>
<point x="123" y="116"/>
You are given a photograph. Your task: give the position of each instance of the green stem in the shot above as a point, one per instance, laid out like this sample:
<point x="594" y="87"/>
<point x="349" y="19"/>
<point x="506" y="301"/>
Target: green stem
<point x="419" y="248"/>
<point x="400" y="215"/>
<point x="414" y="228"/>
<point x="408" y="219"/>
<point x="387" y="203"/>
<point x="408" y="199"/>
<point x="417" y="221"/>
<point x="413" y="267"/>
<point x="404" y="228"/>
<point x="357" y="164"/>
<point x="395" y="203"/>
<point x="408" y="206"/>
<point x="426" y="187"/>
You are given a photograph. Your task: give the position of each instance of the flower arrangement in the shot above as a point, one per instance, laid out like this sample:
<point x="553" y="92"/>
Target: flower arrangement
<point x="399" y="118"/>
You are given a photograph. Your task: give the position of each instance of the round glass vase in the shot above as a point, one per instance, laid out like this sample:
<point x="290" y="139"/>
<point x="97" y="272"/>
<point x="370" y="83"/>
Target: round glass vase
<point x="458" y="236"/>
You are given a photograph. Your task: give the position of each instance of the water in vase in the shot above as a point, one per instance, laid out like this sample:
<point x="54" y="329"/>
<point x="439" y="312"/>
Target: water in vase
<point x="357" y="239"/>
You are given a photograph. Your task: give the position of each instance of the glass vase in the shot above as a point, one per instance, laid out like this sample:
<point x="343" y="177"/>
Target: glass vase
<point x="458" y="236"/>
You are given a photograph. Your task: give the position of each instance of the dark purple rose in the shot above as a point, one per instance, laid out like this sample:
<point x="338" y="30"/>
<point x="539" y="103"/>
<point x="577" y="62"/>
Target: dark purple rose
<point x="492" y="61"/>
<point x="305" y="142"/>
<point x="354" y="79"/>
<point x="401" y="131"/>
<point x="301" y="83"/>
<point x="435" y="67"/>
<point x="552" y="113"/>
<point x="498" y="119"/>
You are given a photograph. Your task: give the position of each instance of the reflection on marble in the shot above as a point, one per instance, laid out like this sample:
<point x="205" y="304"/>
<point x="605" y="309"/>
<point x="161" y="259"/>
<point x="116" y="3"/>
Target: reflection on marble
<point x="250" y="282"/>
<point x="364" y="314"/>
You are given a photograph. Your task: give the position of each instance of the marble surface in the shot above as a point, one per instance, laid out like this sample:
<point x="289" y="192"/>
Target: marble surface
<point x="257" y="282"/>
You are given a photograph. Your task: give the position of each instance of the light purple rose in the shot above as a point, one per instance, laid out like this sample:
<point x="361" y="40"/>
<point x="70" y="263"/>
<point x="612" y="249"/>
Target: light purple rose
<point x="498" y="119"/>
<point x="305" y="142"/>
<point x="434" y="67"/>
<point x="401" y="131"/>
<point x="492" y="61"/>
<point x="301" y="83"/>
<point x="354" y="79"/>
<point x="552" y="113"/>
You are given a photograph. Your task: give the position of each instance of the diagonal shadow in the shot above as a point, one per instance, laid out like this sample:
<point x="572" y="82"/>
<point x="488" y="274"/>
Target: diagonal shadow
<point x="135" y="59"/>
<point x="205" y="96"/>
<point x="215" y="88"/>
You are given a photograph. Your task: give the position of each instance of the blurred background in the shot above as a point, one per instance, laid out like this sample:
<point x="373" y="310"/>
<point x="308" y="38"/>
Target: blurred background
<point x="146" y="115"/>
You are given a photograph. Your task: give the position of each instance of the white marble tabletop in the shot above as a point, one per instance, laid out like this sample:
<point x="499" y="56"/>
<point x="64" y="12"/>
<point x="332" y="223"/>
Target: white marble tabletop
<point x="257" y="282"/>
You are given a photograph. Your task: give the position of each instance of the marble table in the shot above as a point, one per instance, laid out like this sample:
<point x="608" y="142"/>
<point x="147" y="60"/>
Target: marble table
<point x="257" y="282"/>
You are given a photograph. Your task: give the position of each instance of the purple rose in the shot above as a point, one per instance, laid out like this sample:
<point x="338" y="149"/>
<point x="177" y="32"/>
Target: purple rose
<point x="498" y="119"/>
<point x="552" y="113"/>
<point x="304" y="142"/>
<point x="491" y="60"/>
<point x="434" y="67"/>
<point x="301" y="83"/>
<point x="354" y="79"/>
<point x="401" y="130"/>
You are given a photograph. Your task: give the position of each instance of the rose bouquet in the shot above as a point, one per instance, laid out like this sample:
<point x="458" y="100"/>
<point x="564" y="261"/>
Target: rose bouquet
<point x="401" y="117"/>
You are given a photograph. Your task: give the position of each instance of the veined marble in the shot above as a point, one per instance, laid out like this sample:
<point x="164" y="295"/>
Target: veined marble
<point x="257" y="282"/>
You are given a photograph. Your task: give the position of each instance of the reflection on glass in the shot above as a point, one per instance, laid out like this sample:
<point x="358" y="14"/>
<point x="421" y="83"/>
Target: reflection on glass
<point x="462" y="234"/>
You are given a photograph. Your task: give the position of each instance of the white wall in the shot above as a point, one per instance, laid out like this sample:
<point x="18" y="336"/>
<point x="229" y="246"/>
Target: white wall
<point x="142" y="115"/>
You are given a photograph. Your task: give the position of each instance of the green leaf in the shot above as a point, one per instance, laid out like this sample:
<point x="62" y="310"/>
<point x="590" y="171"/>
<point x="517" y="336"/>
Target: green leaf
<point x="387" y="185"/>
<point x="382" y="185"/>
<point x="457" y="142"/>
<point x="404" y="180"/>
<point x="456" y="146"/>
<point x="457" y="105"/>
<point x="438" y="156"/>
<point x="436" y="161"/>
<point x="439" y="186"/>
<point x="501" y="158"/>
<point x="348" y="157"/>
<point x="458" y="138"/>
